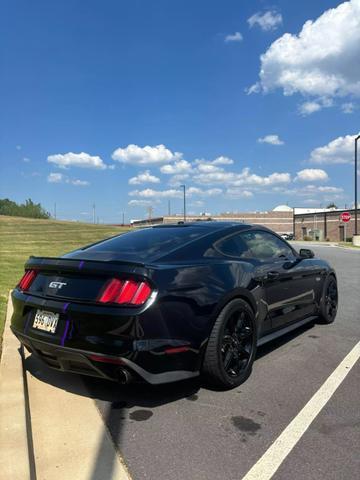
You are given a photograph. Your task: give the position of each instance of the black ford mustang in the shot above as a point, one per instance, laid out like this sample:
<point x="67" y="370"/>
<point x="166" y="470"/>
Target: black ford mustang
<point x="169" y="302"/>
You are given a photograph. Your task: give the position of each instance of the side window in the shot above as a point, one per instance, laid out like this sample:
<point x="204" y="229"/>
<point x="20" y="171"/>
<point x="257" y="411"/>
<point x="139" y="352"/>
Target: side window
<point x="266" y="246"/>
<point x="255" y="244"/>
<point x="234" y="246"/>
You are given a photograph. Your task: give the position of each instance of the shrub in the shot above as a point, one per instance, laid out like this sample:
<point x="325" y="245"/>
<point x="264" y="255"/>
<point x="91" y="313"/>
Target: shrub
<point x="27" y="209"/>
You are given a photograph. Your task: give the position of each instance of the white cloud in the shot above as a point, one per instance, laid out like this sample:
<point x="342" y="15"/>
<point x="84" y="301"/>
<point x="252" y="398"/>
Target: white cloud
<point x="330" y="189"/>
<point x="320" y="192"/>
<point x="205" y="167"/>
<point x="238" y="193"/>
<point x="179" y="166"/>
<point x="311" y="175"/>
<point x="307" y="108"/>
<point x="271" y="139"/>
<point x="209" y="166"/>
<point x="150" y="193"/>
<point x="18" y="147"/>
<point x="144" y="177"/>
<point x="322" y="61"/>
<point x="174" y="193"/>
<point x="139" y="203"/>
<point x="267" y="21"/>
<point x="55" y="178"/>
<point x="197" y="203"/>
<point x="177" y="180"/>
<point x="339" y="150"/>
<point x="235" y="37"/>
<point x="135" y="155"/>
<point x="243" y="178"/>
<point x="222" y="161"/>
<point x="79" y="183"/>
<point x="83" y="160"/>
<point x="61" y="178"/>
<point x="211" y="192"/>
<point x="26" y="160"/>
<point x="255" y="88"/>
<point x="348" y="107"/>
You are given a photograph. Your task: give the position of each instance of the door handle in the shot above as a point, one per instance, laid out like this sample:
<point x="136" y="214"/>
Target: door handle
<point x="272" y="275"/>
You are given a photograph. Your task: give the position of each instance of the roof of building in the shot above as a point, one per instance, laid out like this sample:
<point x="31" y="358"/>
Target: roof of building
<point x="282" y="208"/>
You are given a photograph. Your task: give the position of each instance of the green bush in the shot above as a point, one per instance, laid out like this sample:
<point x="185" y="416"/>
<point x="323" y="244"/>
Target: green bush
<point x="28" y="209"/>
<point x="307" y="238"/>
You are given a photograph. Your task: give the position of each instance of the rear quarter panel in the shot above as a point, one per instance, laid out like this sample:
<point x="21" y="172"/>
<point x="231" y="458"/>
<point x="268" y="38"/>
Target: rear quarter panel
<point x="191" y="296"/>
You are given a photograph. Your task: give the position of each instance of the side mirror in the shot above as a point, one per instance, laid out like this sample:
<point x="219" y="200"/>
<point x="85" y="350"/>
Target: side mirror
<point x="306" y="253"/>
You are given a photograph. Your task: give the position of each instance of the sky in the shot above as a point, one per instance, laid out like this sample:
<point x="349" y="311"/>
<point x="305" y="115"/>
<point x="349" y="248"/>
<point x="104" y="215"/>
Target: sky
<point x="117" y="103"/>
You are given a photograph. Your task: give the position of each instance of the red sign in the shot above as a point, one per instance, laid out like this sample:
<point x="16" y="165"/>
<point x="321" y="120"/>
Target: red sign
<point x="345" y="217"/>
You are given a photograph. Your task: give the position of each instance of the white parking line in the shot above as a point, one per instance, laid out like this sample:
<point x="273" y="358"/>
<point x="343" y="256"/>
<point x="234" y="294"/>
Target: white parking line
<point x="267" y="465"/>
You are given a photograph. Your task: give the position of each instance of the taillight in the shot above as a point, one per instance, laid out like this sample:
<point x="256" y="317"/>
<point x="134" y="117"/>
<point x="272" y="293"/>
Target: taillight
<point x="130" y="292"/>
<point x="27" y="279"/>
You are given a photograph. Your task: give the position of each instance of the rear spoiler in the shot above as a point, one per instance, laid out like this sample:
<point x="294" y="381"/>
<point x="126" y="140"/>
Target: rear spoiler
<point x="60" y="264"/>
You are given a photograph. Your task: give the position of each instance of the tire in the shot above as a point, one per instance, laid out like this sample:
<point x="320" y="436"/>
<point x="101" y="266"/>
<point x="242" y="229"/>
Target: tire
<point x="329" y="301"/>
<point x="231" y="348"/>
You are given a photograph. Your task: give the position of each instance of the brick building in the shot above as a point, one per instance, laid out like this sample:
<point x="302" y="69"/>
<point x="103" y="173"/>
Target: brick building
<point x="280" y="222"/>
<point x="325" y="225"/>
<point x="313" y="224"/>
<point x="280" y="219"/>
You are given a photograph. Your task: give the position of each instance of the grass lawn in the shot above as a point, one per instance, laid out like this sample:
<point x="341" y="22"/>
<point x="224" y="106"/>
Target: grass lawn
<point x="22" y="237"/>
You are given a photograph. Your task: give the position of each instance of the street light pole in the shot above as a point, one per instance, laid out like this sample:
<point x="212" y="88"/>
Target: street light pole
<point x="356" y="175"/>
<point x="184" y="189"/>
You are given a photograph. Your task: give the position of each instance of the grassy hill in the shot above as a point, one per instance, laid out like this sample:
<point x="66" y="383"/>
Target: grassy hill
<point x="22" y="237"/>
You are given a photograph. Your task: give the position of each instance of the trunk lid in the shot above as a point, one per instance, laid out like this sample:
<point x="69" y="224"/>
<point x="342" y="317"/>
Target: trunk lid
<point x="77" y="279"/>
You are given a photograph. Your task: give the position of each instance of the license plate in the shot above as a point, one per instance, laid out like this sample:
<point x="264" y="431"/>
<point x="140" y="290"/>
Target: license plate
<point x="46" y="321"/>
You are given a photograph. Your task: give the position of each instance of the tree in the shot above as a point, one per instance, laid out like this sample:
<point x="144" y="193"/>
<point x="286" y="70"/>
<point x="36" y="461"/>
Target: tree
<point x="332" y="205"/>
<point x="28" y="209"/>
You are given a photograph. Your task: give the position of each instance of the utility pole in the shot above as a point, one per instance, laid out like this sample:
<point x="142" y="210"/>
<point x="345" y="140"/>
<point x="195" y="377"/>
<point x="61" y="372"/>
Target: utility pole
<point x="356" y="175"/>
<point x="94" y="211"/>
<point x="294" y="222"/>
<point x="169" y="211"/>
<point x="184" y="190"/>
<point x="150" y="210"/>
<point x="55" y="210"/>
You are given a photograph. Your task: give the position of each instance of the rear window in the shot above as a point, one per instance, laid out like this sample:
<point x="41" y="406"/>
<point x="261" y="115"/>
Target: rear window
<point x="147" y="243"/>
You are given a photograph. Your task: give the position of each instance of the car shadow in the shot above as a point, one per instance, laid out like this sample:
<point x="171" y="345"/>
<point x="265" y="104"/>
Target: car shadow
<point x="121" y="405"/>
<point x="130" y="395"/>
<point x="138" y="394"/>
<point x="269" y="347"/>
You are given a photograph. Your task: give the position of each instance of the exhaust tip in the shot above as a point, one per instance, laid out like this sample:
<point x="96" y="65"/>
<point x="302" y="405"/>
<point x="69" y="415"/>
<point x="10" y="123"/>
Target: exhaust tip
<point x="124" y="376"/>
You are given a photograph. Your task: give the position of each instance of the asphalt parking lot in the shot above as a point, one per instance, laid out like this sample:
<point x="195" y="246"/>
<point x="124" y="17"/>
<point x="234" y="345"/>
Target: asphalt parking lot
<point x="185" y="430"/>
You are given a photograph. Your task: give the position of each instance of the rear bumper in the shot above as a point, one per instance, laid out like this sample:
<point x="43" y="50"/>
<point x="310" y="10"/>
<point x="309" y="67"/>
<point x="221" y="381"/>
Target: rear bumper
<point x="159" y="344"/>
<point x="91" y="363"/>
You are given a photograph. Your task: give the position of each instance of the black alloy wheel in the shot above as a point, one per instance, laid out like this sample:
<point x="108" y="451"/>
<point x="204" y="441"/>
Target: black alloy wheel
<point x="231" y="347"/>
<point x="329" y="304"/>
<point x="237" y="343"/>
<point x="331" y="299"/>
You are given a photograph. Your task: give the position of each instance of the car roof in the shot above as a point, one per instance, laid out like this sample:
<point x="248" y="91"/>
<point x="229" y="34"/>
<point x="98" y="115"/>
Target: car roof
<point x="208" y="224"/>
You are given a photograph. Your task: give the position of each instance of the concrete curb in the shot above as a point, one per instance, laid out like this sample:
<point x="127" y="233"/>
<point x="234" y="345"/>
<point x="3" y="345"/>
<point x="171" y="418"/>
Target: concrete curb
<point x="309" y="243"/>
<point x="47" y="418"/>
<point x="14" y="451"/>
